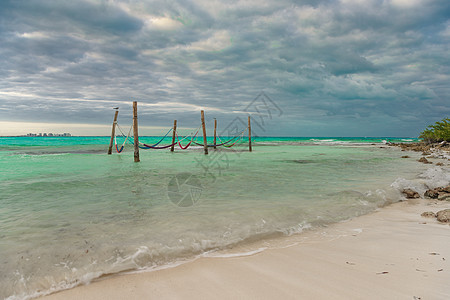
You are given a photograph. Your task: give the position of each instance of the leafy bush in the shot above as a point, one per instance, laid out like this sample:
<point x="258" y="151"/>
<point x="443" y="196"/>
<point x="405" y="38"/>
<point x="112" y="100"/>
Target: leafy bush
<point x="438" y="132"/>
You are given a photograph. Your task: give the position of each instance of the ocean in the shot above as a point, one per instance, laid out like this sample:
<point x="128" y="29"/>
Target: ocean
<point x="70" y="213"/>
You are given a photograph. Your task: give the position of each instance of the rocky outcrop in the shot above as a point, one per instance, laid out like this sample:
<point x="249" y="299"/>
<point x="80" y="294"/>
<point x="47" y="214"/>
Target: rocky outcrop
<point x="419" y="147"/>
<point x="431" y="194"/>
<point x="444" y="197"/>
<point x="423" y="147"/>
<point x="428" y="214"/>
<point x="410" y="194"/>
<point x="443" y="216"/>
<point x="424" y="160"/>
<point x="440" y="193"/>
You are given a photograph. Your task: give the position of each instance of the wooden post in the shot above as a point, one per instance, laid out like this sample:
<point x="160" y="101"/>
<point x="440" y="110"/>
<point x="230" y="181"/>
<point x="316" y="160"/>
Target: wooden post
<point x="249" y="135"/>
<point x="113" y="133"/>
<point x="215" y="129"/>
<point x="173" y="135"/>
<point x="205" y="145"/>
<point x="135" y="131"/>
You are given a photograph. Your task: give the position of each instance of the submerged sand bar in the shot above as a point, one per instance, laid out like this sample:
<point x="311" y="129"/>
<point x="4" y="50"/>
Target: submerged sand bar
<point x="393" y="253"/>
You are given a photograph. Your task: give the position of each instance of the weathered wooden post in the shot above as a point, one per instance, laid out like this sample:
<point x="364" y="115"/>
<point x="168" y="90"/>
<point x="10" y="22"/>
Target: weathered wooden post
<point x="113" y="133"/>
<point x="205" y="145"/>
<point x="249" y="135"/>
<point x="135" y="131"/>
<point x="174" y="130"/>
<point x="215" y="129"/>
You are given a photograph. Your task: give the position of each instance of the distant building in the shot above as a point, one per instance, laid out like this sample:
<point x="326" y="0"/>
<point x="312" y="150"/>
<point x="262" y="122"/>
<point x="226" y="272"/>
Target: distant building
<point x="50" y="134"/>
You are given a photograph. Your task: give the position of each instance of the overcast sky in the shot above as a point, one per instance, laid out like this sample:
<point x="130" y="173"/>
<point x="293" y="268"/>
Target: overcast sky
<point x="330" y="68"/>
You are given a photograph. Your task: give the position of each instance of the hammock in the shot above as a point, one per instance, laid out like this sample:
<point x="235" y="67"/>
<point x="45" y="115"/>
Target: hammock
<point x="127" y="137"/>
<point x="192" y="138"/>
<point x="145" y="146"/>
<point x="154" y="145"/>
<point x="224" y="143"/>
<point x="241" y="136"/>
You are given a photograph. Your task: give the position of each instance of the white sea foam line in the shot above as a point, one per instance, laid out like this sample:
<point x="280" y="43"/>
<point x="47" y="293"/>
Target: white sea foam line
<point x="287" y="246"/>
<point x="207" y="254"/>
<point x="157" y="268"/>
<point x="239" y="254"/>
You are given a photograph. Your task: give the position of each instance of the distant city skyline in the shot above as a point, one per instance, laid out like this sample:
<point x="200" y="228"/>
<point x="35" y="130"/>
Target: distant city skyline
<point x="49" y="134"/>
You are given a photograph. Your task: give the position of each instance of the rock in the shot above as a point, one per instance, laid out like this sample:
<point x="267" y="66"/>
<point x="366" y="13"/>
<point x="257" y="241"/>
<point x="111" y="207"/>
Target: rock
<point x="431" y="194"/>
<point x="443" y="216"/>
<point x="446" y="189"/>
<point x="424" y="160"/>
<point x="405" y="156"/>
<point x="428" y="214"/>
<point x="410" y="194"/>
<point x="444" y="196"/>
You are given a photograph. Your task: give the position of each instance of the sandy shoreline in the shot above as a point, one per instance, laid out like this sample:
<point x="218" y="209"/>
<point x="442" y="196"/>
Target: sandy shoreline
<point x="393" y="253"/>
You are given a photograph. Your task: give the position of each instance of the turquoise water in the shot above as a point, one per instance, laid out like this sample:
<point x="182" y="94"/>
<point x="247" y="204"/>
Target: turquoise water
<point x="70" y="213"/>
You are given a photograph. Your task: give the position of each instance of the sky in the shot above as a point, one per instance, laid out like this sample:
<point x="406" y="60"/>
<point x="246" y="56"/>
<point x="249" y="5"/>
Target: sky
<point x="298" y="68"/>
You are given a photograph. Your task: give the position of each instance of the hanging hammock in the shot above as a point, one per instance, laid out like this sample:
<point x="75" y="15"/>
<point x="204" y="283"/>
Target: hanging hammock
<point x="224" y="143"/>
<point x="123" y="134"/>
<point x="154" y="145"/>
<point x="192" y="138"/>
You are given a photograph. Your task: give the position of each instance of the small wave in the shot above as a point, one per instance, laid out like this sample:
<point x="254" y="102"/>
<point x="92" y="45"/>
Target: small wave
<point x="267" y="143"/>
<point x="324" y="140"/>
<point x="240" y="254"/>
<point x="299" y="228"/>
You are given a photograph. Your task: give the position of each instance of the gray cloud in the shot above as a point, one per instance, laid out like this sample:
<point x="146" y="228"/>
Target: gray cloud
<point x="334" y="67"/>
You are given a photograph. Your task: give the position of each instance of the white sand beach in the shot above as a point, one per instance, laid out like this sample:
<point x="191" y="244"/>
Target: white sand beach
<point x="393" y="253"/>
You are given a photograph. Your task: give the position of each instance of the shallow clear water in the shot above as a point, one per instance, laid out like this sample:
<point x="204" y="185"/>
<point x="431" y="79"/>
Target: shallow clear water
<point x="70" y="213"/>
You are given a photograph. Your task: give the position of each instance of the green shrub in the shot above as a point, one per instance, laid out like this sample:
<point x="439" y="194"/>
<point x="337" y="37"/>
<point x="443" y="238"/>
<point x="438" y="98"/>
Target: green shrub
<point x="438" y="132"/>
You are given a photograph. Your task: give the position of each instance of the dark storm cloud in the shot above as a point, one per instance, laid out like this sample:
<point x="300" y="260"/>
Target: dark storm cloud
<point x="334" y="67"/>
